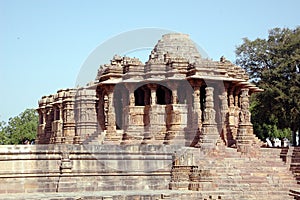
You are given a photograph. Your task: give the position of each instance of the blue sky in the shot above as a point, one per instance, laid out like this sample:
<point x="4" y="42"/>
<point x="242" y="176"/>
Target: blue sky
<point x="43" y="44"/>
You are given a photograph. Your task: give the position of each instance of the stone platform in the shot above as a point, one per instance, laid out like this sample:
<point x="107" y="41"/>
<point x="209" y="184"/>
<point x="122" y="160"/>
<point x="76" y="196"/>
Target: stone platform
<point x="110" y="195"/>
<point x="143" y="172"/>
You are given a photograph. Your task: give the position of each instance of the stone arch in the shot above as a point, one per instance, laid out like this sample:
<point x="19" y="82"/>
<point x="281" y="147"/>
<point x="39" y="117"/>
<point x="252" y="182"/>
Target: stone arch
<point x="142" y="96"/>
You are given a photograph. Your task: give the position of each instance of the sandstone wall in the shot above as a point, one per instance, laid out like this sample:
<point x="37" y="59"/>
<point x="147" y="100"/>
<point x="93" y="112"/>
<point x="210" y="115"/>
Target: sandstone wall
<point x="64" y="168"/>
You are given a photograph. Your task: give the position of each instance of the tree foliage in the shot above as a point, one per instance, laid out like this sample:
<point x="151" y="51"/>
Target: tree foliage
<point x="3" y="134"/>
<point x="274" y="65"/>
<point x="20" y="128"/>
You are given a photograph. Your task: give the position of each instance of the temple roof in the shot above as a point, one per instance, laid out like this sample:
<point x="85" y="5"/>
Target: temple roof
<point x="174" y="57"/>
<point x="175" y="45"/>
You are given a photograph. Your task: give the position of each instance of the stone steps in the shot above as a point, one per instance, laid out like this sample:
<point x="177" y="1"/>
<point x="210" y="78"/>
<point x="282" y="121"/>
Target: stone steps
<point x="296" y="194"/>
<point x="291" y="156"/>
<point x="94" y="139"/>
<point x="252" y="178"/>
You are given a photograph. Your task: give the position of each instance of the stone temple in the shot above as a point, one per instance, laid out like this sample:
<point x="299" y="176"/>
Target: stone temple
<point x="175" y="127"/>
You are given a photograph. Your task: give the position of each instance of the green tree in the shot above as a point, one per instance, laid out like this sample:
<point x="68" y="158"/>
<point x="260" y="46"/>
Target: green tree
<point x="274" y="65"/>
<point x="3" y="134"/>
<point x="20" y="128"/>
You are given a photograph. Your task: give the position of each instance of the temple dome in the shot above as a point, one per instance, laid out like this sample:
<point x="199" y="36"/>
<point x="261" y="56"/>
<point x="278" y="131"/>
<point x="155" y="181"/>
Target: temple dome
<point x="175" y="45"/>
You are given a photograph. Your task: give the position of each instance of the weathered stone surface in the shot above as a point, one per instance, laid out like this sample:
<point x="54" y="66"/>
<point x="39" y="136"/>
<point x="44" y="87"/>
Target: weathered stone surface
<point x="161" y="101"/>
<point x="133" y="133"/>
<point x="142" y="171"/>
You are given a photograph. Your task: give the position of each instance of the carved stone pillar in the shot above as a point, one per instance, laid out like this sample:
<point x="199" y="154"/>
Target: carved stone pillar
<point x="59" y="136"/>
<point x="195" y="115"/>
<point x="209" y="137"/>
<point x="131" y="96"/>
<point x="231" y="98"/>
<point x="177" y="121"/>
<point x="157" y="117"/>
<point x="245" y="138"/>
<point x="231" y="118"/>
<point x="146" y="118"/>
<point x="41" y="126"/>
<point x="44" y="116"/>
<point x="133" y="118"/>
<point x="236" y="106"/>
<point x="225" y="132"/>
<point x="85" y="115"/>
<point x="54" y="126"/>
<point x="49" y="119"/>
<point x="173" y="87"/>
<point x="105" y="110"/>
<point x="60" y="112"/>
<point x="197" y="108"/>
<point x="127" y="105"/>
<point x="146" y="96"/>
<point x="69" y="116"/>
<point x="153" y="88"/>
<point x="171" y="124"/>
<point x="57" y="125"/>
<point x="55" y="109"/>
<point x="111" y="118"/>
<point x="48" y="128"/>
<point x="111" y="131"/>
<point x="209" y="112"/>
<point x="101" y="116"/>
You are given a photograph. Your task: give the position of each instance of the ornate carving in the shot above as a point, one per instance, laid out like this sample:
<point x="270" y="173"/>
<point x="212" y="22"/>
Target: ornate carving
<point x="153" y="88"/>
<point x="244" y="115"/>
<point x="131" y="99"/>
<point x="209" y="111"/>
<point x="174" y="57"/>
<point x="66" y="164"/>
